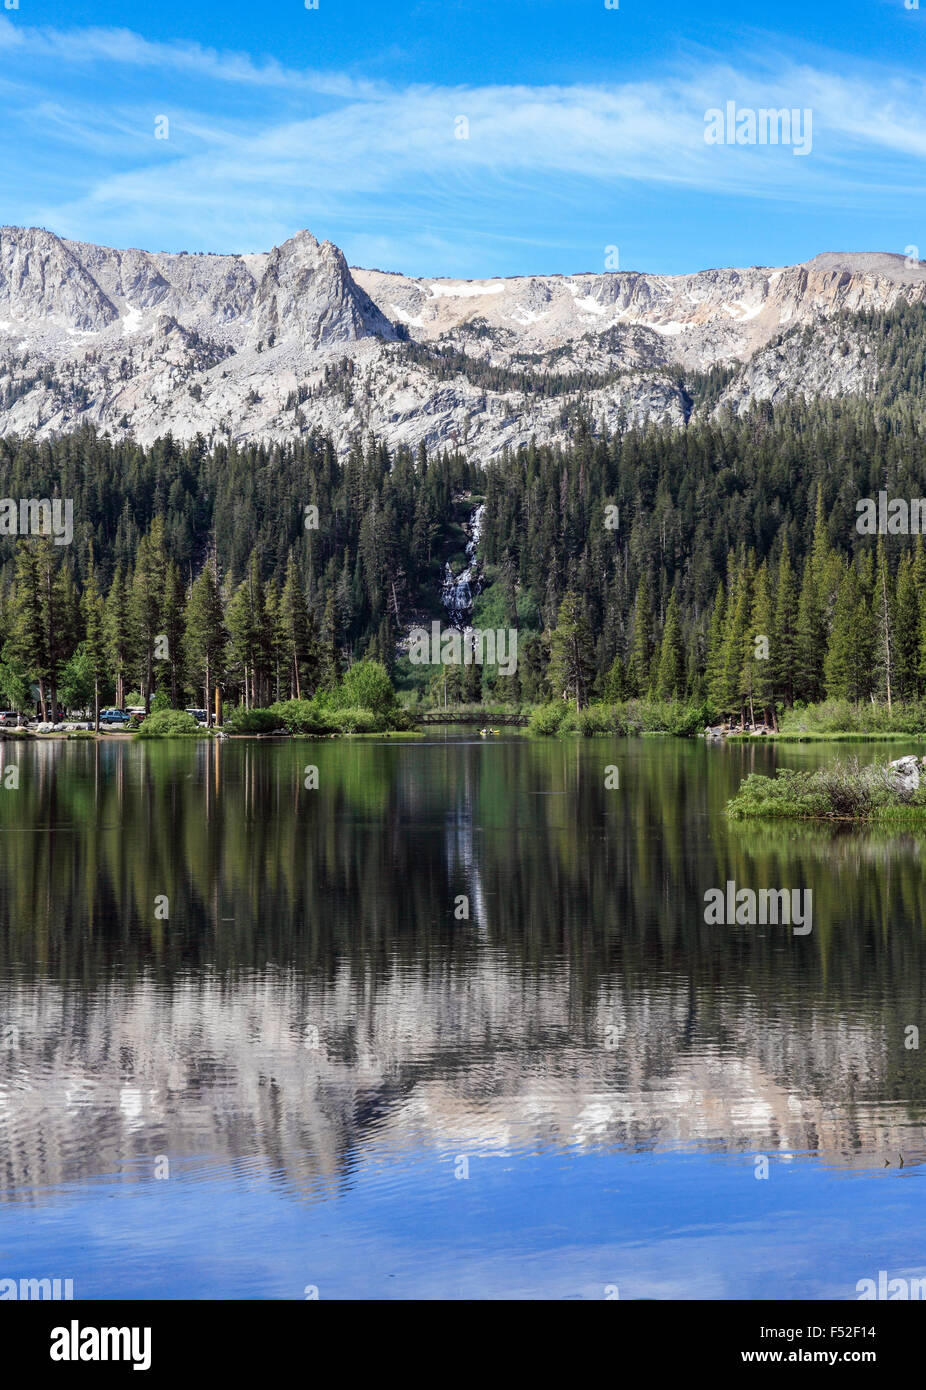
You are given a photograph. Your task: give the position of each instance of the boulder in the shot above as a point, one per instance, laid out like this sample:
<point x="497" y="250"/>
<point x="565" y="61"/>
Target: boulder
<point x="905" y="773"/>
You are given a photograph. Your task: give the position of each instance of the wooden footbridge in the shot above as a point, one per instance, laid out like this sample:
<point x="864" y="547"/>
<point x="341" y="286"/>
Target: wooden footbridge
<point x="448" y="716"/>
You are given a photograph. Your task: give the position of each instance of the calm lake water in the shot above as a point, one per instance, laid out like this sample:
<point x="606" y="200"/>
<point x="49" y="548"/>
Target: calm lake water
<point x="314" y="1074"/>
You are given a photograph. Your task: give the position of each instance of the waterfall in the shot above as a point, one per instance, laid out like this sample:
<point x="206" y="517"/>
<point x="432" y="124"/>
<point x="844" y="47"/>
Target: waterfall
<point x="458" y="595"/>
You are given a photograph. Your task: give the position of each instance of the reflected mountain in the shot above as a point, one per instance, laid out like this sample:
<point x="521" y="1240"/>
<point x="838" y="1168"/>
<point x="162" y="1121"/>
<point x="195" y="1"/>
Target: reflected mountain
<point x="312" y="1002"/>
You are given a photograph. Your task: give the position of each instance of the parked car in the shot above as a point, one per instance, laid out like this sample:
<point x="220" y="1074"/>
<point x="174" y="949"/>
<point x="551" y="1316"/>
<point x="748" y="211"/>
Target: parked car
<point x="199" y="715"/>
<point x="136" y="712"/>
<point x="114" y="716"/>
<point x="10" y="718"/>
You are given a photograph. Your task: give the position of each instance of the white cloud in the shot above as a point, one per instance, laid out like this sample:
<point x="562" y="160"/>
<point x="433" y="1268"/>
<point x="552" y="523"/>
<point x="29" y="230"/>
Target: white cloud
<point x="384" y="154"/>
<point x="124" y="48"/>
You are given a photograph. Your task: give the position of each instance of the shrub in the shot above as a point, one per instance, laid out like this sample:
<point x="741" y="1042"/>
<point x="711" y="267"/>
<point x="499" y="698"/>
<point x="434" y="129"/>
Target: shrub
<point x="596" y="719"/>
<point x="302" y="717"/>
<point x="686" y="721"/>
<point x="365" y="686"/>
<point x="841" y="716"/>
<point x="546" y="719"/>
<point x="843" y="791"/>
<point x="357" y="721"/>
<point x="251" y="721"/>
<point x="169" y="723"/>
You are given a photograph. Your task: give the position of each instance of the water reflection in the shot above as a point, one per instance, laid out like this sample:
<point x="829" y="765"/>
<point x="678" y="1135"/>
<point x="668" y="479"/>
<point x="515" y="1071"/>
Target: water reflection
<point x="312" y="1003"/>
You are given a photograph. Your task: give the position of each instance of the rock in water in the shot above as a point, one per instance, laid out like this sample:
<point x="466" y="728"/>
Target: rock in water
<point x="905" y="773"/>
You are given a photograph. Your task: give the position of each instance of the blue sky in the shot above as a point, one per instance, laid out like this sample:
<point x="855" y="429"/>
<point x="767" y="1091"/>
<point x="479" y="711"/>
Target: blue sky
<point x="585" y="129"/>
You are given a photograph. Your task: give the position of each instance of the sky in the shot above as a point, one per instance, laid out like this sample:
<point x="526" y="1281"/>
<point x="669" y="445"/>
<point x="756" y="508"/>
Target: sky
<point x="469" y="138"/>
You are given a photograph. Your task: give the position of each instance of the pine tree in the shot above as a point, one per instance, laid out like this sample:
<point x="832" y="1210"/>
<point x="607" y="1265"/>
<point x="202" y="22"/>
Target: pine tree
<point x="173" y="605"/>
<point x="670" y="674"/>
<point x="45" y="600"/>
<point x="300" y="641"/>
<point x="884" y="624"/>
<point x="145" y="604"/>
<point x="713" y="673"/>
<point x="784" y="650"/>
<point x="730" y="690"/>
<point x="119" y="632"/>
<point x="330" y="664"/>
<point x="95" y="644"/>
<point x="572" y="652"/>
<point x="906" y="633"/>
<point x="206" y="636"/>
<point x="29" y="634"/>
<point x="276" y="640"/>
<point x="643" y="643"/>
<point x="616" y="684"/>
<point x="249" y="638"/>
<point x="756" y="677"/>
<point x="848" y="663"/>
<point x="810" y="640"/>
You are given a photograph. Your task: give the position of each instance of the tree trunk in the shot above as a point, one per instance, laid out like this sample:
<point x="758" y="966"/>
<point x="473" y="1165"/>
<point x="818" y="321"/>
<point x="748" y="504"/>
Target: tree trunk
<point x="149" y="677"/>
<point x="886" y="614"/>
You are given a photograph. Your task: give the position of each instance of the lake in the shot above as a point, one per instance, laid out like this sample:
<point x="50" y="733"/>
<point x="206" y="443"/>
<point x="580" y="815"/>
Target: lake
<point x="449" y="1024"/>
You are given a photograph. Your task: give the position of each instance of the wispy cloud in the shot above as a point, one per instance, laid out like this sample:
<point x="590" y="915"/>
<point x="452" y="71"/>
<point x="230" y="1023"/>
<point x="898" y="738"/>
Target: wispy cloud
<point x="124" y="48"/>
<point x="386" y="161"/>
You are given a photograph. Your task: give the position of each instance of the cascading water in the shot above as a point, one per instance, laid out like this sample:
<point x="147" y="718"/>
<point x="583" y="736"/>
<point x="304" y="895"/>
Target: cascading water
<point x="458" y="594"/>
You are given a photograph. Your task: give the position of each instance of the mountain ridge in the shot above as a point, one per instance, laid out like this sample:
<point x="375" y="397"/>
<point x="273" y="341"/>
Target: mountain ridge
<point x="272" y="345"/>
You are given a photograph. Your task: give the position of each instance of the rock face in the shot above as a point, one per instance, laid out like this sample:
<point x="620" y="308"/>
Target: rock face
<point x="42" y="280"/>
<point x="307" y="295"/>
<point x="271" y="345"/>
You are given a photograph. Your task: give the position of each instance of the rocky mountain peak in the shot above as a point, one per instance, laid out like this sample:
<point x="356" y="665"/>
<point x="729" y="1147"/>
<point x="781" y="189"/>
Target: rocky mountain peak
<point x="272" y="344"/>
<point x="40" y="278"/>
<point x="308" y="295"/>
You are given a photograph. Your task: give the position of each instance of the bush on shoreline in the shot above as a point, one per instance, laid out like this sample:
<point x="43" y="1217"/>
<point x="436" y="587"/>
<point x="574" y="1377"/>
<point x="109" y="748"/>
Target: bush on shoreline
<point x="251" y="721"/>
<point x="620" y="718"/>
<point x="844" y="717"/>
<point x="842" y="791"/>
<point x="171" y="723"/>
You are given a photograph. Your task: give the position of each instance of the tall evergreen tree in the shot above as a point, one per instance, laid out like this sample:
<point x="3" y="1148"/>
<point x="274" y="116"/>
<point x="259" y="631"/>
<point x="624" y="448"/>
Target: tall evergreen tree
<point x="643" y="642"/>
<point x="95" y="644"/>
<point x="572" y="652"/>
<point x="119" y="630"/>
<point x="757" y="676"/>
<point x="206" y="636"/>
<point x="784" y="648"/>
<point x="300" y="641"/>
<point x="670" y="674"/>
